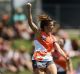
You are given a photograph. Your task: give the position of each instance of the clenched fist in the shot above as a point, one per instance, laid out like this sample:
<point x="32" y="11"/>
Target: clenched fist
<point x="29" y="5"/>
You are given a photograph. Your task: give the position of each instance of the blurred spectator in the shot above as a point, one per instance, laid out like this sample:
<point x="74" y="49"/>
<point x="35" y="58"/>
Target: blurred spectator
<point x="75" y="44"/>
<point x="68" y="46"/>
<point x="15" y="60"/>
<point x="9" y="33"/>
<point x="20" y="25"/>
<point x="5" y="19"/>
<point x="1" y="28"/>
<point x="1" y="43"/>
<point x="22" y="59"/>
<point x="64" y="35"/>
<point x="25" y="58"/>
<point x="6" y="56"/>
<point x="22" y="30"/>
<point x="19" y="15"/>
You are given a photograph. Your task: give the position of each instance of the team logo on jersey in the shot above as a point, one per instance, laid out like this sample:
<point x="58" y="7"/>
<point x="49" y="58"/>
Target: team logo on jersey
<point x="43" y="37"/>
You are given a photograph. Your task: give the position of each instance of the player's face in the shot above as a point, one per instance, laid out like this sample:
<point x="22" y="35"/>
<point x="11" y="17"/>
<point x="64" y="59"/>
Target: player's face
<point x="50" y="27"/>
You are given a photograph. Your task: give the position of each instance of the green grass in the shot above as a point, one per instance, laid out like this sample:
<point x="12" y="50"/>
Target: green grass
<point x="21" y="42"/>
<point x="75" y="61"/>
<point x="24" y="72"/>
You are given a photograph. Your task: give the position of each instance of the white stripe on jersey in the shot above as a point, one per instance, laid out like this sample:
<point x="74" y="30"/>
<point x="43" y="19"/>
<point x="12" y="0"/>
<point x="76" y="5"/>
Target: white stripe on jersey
<point x="40" y="47"/>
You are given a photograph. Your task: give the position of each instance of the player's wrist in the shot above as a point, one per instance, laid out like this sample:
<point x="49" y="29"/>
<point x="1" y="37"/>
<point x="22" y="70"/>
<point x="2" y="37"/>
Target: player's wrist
<point x="67" y="58"/>
<point x="55" y="42"/>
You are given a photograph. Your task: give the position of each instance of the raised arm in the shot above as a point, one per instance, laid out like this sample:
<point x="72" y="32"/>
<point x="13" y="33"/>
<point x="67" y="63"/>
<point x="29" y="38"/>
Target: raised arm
<point x="30" y="20"/>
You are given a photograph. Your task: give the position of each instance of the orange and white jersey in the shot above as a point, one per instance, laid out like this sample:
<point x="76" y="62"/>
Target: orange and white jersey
<point x="43" y="47"/>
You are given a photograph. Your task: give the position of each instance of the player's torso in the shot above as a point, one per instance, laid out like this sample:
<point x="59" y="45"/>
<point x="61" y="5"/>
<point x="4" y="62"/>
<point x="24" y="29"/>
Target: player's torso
<point x="43" y="47"/>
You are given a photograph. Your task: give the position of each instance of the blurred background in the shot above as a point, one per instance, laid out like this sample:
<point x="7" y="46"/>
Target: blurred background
<point x="16" y="37"/>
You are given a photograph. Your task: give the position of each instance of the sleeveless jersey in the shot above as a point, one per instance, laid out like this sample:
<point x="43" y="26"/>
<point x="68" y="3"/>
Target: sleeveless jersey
<point x="43" y="47"/>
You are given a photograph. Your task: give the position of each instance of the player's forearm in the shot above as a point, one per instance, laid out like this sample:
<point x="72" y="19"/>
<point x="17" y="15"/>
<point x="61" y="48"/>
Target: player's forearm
<point x="60" y="50"/>
<point x="30" y="20"/>
<point x="70" y="65"/>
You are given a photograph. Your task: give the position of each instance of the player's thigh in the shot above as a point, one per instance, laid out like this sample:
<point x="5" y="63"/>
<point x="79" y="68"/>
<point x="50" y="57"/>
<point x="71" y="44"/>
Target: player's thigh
<point x="41" y="72"/>
<point x="38" y="71"/>
<point x="52" y="68"/>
